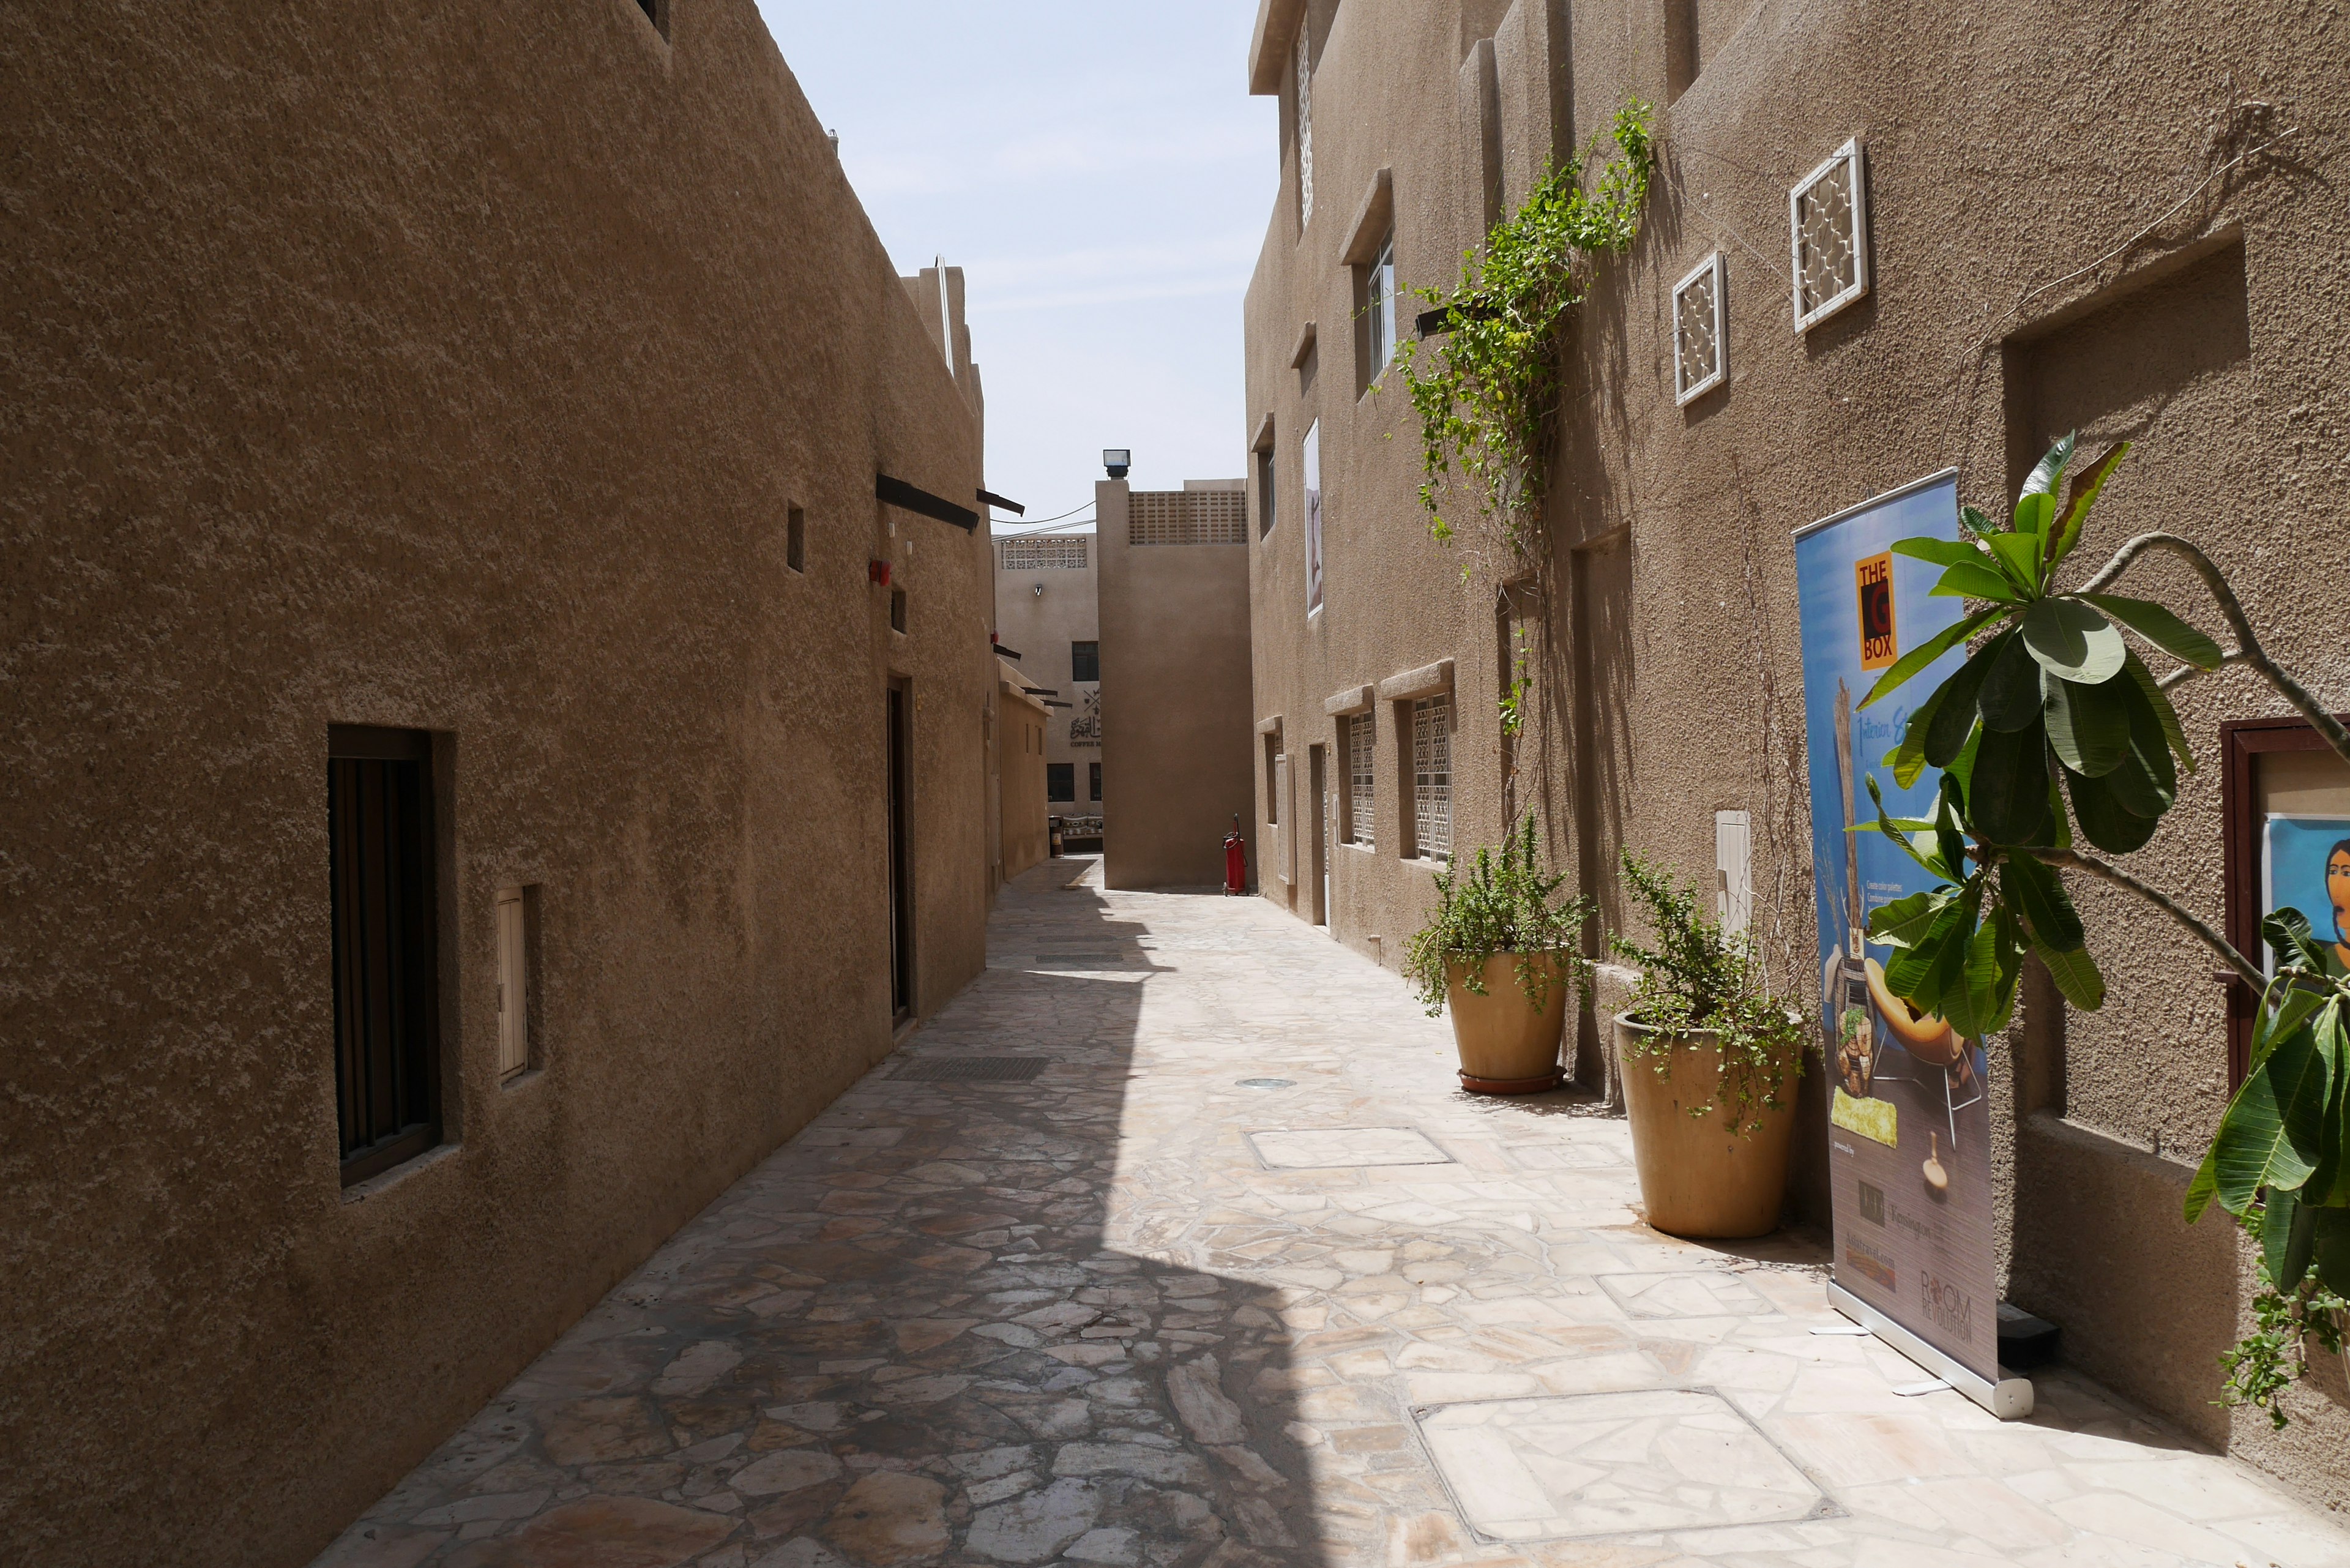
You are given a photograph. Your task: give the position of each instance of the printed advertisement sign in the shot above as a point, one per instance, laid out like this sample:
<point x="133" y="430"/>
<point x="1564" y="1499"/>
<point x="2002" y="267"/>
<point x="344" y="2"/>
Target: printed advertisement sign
<point x="1909" y="1120"/>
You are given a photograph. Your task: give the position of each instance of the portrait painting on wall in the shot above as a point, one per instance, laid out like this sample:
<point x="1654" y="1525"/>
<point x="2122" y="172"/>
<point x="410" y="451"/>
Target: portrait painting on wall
<point x="2305" y="866"/>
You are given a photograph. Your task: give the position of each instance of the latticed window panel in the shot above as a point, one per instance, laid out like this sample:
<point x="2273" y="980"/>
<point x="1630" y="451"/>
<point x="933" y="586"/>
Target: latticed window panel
<point x="1362" y="784"/>
<point x="1431" y="777"/>
<point x="1304" y="131"/>
<point x="1701" y="347"/>
<point x="1827" y="219"/>
<point x="1042" y="555"/>
<point x="1187" y="518"/>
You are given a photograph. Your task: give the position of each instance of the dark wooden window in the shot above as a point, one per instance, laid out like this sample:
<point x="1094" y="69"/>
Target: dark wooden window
<point x="900" y="785"/>
<point x="386" y="946"/>
<point x="1061" y="780"/>
<point x="1084" y="661"/>
<point x="795" y="540"/>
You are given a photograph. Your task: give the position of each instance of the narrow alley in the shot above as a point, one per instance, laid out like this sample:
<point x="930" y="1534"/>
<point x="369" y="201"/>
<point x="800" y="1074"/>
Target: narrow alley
<point x="1170" y="1243"/>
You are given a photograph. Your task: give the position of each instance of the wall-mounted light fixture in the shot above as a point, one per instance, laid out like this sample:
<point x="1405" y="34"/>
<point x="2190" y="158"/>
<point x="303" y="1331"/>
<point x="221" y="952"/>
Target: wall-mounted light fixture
<point x="1117" y="459"/>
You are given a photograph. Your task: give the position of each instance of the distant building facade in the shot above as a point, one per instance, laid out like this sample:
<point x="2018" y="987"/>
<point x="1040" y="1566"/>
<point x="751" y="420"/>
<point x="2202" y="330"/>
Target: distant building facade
<point x="484" y="763"/>
<point x="1988" y="258"/>
<point x="1048" y="613"/>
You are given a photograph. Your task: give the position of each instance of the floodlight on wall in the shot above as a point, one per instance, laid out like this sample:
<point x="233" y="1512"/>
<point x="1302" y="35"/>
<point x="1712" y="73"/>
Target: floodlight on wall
<point x="1117" y="459"/>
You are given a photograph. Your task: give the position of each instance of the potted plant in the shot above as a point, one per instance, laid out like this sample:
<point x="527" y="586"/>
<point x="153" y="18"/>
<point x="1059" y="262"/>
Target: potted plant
<point x="1710" y="1059"/>
<point x="1499" y="953"/>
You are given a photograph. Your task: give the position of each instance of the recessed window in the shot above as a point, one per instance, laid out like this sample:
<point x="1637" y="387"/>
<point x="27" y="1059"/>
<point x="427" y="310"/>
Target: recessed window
<point x="1061" y="782"/>
<point x="795" y="540"/>
<point x="1431" y="778"/>
<point x="1700" y="352"/>
<point x="1093" y="781"/>
<point x="1827" y="216"/>
<point x="1304" y="68"/>
<point x="1084" y="661"/>
<point x="1264" y="490"/>
<point x="1376" y="311"/>
<point x="1361" y="781"/>
<point x="517" y="935"/>
<point x="381" y="858"/>
<point x="896" y="609"/>
<point x="657" y="13"/>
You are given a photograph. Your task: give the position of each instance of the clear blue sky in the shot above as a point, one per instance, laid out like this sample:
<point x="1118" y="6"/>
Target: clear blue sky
<point x="1103" y="178"/>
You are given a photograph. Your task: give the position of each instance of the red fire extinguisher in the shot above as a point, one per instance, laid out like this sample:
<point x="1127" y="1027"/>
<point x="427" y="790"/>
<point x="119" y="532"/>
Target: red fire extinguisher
<point x="1235" y="860"/>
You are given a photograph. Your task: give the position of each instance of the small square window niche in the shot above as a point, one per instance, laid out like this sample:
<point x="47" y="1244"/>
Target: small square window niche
<point x="795" y="540"/>
<point x="896" y="609"/>
<point x="1700" y="345"/>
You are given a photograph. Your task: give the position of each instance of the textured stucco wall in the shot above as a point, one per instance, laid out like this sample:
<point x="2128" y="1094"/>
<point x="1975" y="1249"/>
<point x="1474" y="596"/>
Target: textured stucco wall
<point x="1022" y="724"/>
<point x="2078" y="245"/>
<point x="449" y="367"/>
<point x="1175" y="685"/>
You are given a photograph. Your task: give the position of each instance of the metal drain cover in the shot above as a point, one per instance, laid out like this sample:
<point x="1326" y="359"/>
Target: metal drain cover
<point x="973" y="1069"/>
<point x="1268" y="1083"/>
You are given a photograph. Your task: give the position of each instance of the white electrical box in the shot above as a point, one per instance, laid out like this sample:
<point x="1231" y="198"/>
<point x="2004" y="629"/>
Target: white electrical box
<point x="1734" y="861"/>
<point x="514" y="983"/>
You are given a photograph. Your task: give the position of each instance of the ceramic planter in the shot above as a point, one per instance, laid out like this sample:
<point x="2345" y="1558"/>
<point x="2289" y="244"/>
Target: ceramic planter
<point x="1697" y="1177"/>
<point x="1507" y="1046"/>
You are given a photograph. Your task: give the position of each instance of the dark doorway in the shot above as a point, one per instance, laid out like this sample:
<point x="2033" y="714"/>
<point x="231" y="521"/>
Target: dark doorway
<point x="386" y="942"/>
<point x="902" y="879"/>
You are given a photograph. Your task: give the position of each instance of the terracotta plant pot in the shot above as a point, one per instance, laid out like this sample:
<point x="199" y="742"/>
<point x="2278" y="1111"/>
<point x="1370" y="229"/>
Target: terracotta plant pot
<point x="1697" y="1177"/>
<point x="1507" y="1046"/>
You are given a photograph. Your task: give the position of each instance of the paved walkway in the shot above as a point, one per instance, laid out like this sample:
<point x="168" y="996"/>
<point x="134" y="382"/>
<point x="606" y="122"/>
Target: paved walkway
<point x="1240" y="1281"/>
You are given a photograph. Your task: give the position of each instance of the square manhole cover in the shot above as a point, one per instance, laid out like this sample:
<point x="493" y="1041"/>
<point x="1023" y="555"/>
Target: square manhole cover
<point x="1320" y="1149"/>
<point x="1605" y="1464"/>
<point x="973" y="1069"/>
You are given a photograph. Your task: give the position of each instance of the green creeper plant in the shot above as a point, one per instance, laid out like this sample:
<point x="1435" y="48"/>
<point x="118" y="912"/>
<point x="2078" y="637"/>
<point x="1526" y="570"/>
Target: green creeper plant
<point x="2054" y="707"/>
<point x="1486" y="393"/>
<point x="1497" y="904"/>
<point x="1698" y="976"/>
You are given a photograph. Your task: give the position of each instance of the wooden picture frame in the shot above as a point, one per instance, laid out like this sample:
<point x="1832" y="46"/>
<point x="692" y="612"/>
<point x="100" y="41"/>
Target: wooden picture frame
<point x="2242" y="742"/>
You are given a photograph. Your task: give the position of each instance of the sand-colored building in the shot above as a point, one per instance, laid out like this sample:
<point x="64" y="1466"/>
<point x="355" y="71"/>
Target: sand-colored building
<point x="1175" y="688"/>
<point x="2125" y="243"/>
<point x="470" y="790"/>
<point x="1024" y="731"/>
<point x="1048" y="615"/>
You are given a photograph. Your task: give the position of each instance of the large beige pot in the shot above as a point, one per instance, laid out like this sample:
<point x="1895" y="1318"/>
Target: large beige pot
<point x="1697" y="1176"/>
<point x="1507" y="1046"/>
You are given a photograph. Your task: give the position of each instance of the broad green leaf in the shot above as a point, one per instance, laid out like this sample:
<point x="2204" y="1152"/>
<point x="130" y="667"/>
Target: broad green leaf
<point x="2286" y="1008"/>
<point x="2072" y="641"/>
<point x="1950" y="830"/>
<point x="2162" y="629"/>
<point x="2034" y="514"/>
<point x="2329" y="1184"/>
<point x="2150" y="741"/>
<point x="1954" y="703"/>
<point x="2288" y="1237"/>
<point x="2076" y="974"/>
<point x="2040" y="898"/>
<point x="1946" y="990"/>
<point x="2085" y="490"/>
<point x="1975" y="580"/>
<point x="2105" y="821"/>
<point x="2166" y="715"/>
<point x="2047" y="475"/>
<point x="1926" y="652"/>
<point x="1972" y="520"/>
<point x="2010" y="697"/>
<point x="1907" y="760"/>
<point x="1885" y="825"/>
<point x="2087" y="725"/>
<point x="2330" y="1253"/>
<point x="1994" y="964"/>
<point x="1939" y="552"/>
<point x="2133" y="783"/>
<point x="2018" y="556"/>
<point x="2008" y="798"/>
<point x="2269" y="1136"/>
<point x="2206" y="1184"/>
<point x="1911" y="972"/>
<point x="2288" y="935"/>
<point x="1902" y="922"/>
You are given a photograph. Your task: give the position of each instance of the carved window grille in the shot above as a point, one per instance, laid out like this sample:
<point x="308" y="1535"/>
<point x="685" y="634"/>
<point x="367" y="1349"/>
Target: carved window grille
<point x="1361" y="783"/>
<point x="1304" y="131"/>
<point x="1700" y="339"/>
<point x="1187" y="518"/>
<point x="1431" y="777"/>
<point x="1827" y="218"/>
<point x="1043" y="555"/>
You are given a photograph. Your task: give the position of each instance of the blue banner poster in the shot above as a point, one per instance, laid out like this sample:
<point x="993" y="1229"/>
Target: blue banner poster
<point x="1909" y="1120"/>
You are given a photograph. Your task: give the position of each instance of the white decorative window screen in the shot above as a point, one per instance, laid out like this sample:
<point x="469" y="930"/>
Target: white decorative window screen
<point x="1431" y="777"/>
<point x="1304" y="131"/>
<point x="1043" y="555"/>
<point x="1361" y="784"/>
<point x="1187" y="518"/>
<point x="1701" y="347"/>
<point x="1827" y="219"/>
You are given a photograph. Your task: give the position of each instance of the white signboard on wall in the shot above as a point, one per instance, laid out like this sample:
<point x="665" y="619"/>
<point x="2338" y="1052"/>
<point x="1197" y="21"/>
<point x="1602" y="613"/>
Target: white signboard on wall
<point x="1310" y="464"/>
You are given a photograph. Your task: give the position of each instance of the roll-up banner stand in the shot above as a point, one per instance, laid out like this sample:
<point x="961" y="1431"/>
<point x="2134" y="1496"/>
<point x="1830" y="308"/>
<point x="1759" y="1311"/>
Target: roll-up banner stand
<point x="1909" y="1113"/>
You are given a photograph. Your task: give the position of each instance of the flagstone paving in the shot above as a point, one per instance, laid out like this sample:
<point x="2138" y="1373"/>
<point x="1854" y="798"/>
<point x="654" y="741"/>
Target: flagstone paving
<point x="1136" y="1312"/>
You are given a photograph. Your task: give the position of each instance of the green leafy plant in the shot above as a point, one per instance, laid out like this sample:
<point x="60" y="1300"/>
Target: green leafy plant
<point x="1485" y="395"/>
<point x="2053" y="707"/>
<point x="1697" y="977"/>
<point x="1513" y="700"/>
<point x="2262" y="1365"/>
<point x="1497" y="904"/>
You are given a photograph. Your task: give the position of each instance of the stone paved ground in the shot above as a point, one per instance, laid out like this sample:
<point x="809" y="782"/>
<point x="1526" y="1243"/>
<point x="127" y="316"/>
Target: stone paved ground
<point x="1139" y="1312"/>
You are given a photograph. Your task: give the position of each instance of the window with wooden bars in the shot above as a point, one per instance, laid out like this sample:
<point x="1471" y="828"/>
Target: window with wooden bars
<point x="1362" y="816"/>
<point x="1431" y="777"/>
<point x="386" y="952"/>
